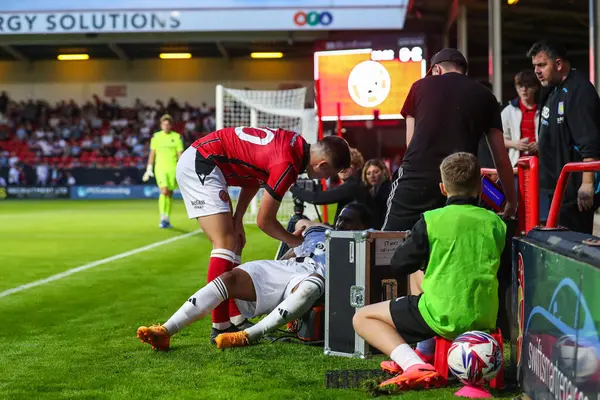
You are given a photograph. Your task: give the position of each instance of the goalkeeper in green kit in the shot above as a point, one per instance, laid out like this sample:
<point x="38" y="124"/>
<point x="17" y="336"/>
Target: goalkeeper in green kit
<point x="166" y="147"/>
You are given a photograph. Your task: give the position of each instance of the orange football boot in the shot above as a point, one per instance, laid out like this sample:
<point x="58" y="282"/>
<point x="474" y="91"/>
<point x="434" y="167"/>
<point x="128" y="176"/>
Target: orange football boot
<point x="421" y="376"/>
<point x="233" y="339"/>
<point x="391" y="367"/>
<point x="155" y="335"/>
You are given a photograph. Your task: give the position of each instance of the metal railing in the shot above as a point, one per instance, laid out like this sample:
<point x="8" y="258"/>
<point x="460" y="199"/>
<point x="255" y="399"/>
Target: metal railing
<point x="561" y="185"/>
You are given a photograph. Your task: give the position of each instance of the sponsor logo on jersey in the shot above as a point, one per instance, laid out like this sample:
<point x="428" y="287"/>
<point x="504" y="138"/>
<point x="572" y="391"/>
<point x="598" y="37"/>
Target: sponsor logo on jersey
<point x="224" y="196"/>
<point x="545" y="112"/>
<point x="561" y="108"/>
<point x="198" y="204"/>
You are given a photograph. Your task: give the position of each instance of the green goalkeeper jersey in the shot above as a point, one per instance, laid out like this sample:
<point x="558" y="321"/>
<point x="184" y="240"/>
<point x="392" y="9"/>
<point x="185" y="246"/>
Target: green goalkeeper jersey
<point x="166" y="146"/>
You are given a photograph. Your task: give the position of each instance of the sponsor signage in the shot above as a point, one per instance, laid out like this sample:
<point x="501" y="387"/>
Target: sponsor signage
<point x="127" y="192"/>
<point x="93" y="5"/>
<point x="34" y="192"/>
<point x="45" y="17"/>
<point x="555" y="297"/>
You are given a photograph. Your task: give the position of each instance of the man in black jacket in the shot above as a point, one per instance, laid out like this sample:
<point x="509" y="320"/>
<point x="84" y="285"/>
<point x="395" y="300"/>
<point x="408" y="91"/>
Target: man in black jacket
<point x="569" y="132"/>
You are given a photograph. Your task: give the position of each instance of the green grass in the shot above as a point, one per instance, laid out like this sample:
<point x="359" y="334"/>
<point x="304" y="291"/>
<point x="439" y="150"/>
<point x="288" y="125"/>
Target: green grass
<point x="75" y="338"/>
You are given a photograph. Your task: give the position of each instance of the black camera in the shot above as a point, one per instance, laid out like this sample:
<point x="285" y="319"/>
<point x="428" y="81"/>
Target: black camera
<point x="305" y="184"/>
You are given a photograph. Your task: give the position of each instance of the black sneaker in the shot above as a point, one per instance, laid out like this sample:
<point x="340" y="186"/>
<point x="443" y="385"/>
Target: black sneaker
<point x="216" y="332"/>
<point x="245" y="325"/>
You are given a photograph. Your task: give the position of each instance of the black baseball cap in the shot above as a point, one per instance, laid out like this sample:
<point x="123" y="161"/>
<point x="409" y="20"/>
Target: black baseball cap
<point x="448" y="54"/>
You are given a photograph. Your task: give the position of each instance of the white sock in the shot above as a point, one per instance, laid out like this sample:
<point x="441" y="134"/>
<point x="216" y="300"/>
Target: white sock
<point x="291" y="308"/>
<point x="237" y="319"/>
<point x="405" y="357"/>
<point x="199" y="305"/>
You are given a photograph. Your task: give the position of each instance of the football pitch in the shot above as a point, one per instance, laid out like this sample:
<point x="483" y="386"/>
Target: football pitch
<point x="74" y="336"/>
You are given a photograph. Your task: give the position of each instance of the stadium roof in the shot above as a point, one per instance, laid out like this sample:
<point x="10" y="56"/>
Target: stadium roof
<point x="523" y="24"/>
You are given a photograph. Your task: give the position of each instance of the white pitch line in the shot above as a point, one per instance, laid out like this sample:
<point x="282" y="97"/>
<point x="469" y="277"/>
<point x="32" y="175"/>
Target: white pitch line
<point x="95" y="264"/>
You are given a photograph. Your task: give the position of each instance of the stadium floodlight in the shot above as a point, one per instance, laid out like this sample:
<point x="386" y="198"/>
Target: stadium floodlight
<point x="175" y="56"/>
<point x="73" y="57"/>
<point x="271" y="54"/>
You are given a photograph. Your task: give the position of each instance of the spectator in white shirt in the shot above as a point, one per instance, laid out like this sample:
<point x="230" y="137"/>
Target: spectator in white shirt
<point x="107" y="138"/>
<point x="42" y="174"/>
<point x="70" y="179"/>
<point x="190" y="126"/>
<point x="13" y="175"/>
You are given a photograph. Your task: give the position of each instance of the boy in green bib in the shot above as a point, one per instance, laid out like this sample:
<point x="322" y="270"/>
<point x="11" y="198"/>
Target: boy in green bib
<point x="458" y="247"/>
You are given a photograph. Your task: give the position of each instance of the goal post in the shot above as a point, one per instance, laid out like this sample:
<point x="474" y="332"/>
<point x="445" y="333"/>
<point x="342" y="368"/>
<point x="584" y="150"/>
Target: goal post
<point x="268" y="108"/>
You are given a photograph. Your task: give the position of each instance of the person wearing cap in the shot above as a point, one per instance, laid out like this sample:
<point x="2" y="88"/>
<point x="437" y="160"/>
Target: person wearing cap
<point x="445" y="112"/>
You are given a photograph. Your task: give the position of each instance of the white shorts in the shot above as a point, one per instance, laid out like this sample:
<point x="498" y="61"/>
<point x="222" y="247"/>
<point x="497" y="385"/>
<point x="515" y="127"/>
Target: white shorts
<point x="203" y="187"/>
<point x="273" y="282"/>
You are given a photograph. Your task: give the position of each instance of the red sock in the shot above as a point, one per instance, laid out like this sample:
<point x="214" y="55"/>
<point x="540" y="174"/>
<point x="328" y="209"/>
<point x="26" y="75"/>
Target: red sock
<point x="233" y="309"/>
<point x="221" y="261"/>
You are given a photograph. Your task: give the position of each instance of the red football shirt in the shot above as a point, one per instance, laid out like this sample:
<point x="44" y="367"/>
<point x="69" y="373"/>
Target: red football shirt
<point x="528" y="122"/>
<point x="252" y="157"/>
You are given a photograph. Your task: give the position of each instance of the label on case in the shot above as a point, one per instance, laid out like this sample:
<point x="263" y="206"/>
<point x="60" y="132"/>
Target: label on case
<point x="384" y="250"/>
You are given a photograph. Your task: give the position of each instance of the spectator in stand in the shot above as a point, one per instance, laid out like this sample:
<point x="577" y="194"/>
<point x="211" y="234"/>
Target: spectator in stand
<point x="209" y="123"/>
<point x="3" y="183"/>
<point x="42" y="174"/>
<point x="14" y="175"/>
<point x="521" y="117"/>
<point x="351" y="189"/>
<point x="376" y="177"/>
<point x="70" y="179"/>
<point x="204" y="110"/>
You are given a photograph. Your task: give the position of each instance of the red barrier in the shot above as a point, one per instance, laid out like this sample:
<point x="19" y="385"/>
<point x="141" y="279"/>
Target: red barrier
<point x="562" y="185"/>
<point x="528" y="212"/>
<point x="319" y="137"/>
<point x="528" y="193"/>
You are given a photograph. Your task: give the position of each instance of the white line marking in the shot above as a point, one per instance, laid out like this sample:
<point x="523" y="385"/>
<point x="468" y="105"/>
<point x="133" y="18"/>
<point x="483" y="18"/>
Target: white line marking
<point x="95" y="264"/>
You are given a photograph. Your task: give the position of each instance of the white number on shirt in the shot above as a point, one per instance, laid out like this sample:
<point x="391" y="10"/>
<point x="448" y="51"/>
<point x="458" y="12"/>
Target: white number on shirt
<point x="269" y="136"/>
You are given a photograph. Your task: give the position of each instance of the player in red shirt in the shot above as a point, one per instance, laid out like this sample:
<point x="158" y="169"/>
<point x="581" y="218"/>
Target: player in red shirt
<point x="250" y="158"/>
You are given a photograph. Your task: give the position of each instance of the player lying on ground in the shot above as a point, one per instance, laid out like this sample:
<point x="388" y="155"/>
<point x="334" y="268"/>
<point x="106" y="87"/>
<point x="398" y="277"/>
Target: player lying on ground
<point x="284" y="289"/>
<point x="459" y="247"/>
<point x="166" y="147"/>
<point x="249" y="158"/>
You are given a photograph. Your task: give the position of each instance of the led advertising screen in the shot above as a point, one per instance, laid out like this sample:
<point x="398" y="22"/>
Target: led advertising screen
<point x="365" y="80"/>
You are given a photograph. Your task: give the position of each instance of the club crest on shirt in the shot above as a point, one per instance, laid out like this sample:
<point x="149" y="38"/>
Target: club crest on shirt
<point x="561" y="108"/>
<point x="224" y="196"/>
<point x="545" y="112"/>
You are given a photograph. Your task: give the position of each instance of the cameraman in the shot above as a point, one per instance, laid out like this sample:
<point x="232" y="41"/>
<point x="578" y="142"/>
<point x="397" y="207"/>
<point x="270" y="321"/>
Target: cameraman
<point x="351" y="189"/>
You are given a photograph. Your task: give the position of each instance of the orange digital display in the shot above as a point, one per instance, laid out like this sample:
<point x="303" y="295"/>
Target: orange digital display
<point x="366" y="80"/>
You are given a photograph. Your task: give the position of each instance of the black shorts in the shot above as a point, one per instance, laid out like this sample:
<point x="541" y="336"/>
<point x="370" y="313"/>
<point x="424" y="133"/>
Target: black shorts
<point x="408" y="320"/>
<point x="412" y="194"/>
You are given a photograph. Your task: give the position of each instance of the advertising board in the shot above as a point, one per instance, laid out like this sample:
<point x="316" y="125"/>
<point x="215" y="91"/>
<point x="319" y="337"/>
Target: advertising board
<point x="112" y="16"/>
<point x="557" y="346"/>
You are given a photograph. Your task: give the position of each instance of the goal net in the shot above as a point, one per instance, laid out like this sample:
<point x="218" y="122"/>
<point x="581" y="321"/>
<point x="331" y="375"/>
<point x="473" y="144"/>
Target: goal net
<point x="268" y="108"/>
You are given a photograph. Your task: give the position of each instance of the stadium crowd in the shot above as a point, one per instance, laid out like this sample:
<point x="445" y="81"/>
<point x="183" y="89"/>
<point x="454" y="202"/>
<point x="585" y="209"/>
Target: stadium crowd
<point x="41" y="142"/>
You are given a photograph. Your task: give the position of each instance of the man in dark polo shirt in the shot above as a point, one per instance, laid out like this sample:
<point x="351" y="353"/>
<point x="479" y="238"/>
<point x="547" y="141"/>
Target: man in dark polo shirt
<point x="569" y="132"/>
<point x="445" y="113"/>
